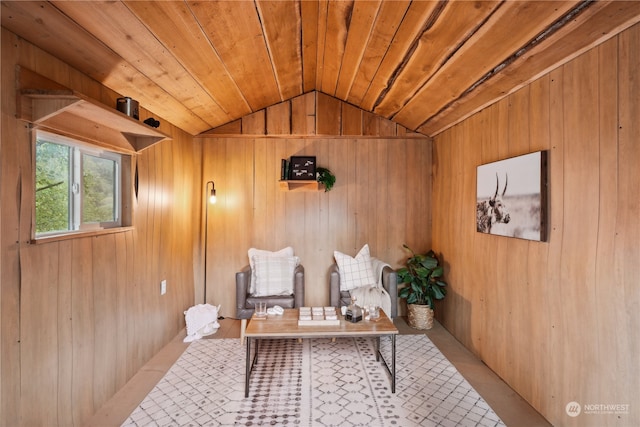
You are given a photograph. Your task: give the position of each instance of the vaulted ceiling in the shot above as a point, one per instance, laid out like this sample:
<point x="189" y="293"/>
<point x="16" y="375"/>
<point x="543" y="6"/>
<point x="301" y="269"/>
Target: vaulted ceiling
<point x="423" y="64"/>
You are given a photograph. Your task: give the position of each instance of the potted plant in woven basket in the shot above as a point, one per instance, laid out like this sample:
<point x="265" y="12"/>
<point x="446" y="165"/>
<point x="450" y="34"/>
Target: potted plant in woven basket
<point x="423" y="276"/>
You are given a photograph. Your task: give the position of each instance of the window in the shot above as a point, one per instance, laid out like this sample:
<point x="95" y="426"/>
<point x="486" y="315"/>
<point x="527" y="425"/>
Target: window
<point x="78" y="187"/>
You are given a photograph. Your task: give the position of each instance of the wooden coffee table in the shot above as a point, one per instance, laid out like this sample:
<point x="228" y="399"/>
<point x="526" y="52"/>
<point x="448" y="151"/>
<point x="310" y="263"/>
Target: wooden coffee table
<point x="286" y="326"/>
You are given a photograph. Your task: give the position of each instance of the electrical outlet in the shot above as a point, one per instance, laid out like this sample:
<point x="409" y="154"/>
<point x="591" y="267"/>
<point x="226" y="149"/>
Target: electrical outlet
<point x="163" y="287"/>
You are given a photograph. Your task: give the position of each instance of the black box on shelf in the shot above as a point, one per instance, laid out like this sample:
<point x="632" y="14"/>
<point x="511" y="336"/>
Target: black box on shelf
<point x="302" y="168"/>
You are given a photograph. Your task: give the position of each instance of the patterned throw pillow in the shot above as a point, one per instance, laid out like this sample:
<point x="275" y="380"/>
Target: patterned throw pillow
<point x="355" y="272"/>
<point x="274" y="275"/>
<point x="285" y="252"/>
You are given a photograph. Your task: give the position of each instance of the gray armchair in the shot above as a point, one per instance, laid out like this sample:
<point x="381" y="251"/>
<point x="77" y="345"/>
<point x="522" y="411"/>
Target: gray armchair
<point x="339" y="298"/>
<point x="245" y="302"/>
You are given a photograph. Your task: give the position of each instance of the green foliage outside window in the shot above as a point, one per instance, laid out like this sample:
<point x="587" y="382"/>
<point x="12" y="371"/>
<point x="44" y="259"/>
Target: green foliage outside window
<point x="75" y="186"/>
<point x="52" y="187"/>
<point x="98" y="183"/>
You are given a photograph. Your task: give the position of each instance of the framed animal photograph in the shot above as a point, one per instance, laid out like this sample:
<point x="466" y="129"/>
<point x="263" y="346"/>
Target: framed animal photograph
<point x="302" y="168"/>
<point x="511" y="197"/>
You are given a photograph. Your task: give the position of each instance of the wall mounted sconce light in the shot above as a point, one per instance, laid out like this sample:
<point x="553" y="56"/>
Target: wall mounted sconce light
<point x="210" y="196"/>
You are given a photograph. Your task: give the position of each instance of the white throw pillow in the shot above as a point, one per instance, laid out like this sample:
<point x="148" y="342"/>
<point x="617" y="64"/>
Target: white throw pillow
<point x="355" y="272"/>
<point x="274" y="275"/>
<point x="285" y="252"/>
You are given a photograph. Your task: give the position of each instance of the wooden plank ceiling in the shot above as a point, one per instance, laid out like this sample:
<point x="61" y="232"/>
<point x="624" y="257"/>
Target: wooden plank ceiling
<point x="424" y="64"/>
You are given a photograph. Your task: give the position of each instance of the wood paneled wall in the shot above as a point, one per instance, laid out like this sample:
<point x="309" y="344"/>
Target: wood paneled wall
<point x="559" y="320"/>
<point x="79" y="317"/>
<point x="381" y="196"/>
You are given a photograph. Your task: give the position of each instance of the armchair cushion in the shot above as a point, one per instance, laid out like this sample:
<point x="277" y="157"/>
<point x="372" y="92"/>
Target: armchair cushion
<point x="355" y="272"/>
<point x="285" y="252"/>
<point x="274" y="275"/>
<point x="245" y="302"/>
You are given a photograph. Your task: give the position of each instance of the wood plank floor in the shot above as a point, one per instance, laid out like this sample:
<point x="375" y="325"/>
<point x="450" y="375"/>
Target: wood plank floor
<point x="509" y="406"/>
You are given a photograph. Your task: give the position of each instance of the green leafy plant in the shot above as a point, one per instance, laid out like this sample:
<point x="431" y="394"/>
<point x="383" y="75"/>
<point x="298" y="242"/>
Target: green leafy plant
<point x="325" y="176"/>
<point x="423" y="274"/>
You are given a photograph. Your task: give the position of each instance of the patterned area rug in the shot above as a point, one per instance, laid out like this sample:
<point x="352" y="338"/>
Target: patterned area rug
<point x="313" y="383"/>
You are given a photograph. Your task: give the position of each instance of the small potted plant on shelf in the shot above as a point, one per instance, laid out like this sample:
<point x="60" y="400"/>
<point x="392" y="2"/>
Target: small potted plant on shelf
<point x="423" y="276"/>
<point x="324" y="176"/>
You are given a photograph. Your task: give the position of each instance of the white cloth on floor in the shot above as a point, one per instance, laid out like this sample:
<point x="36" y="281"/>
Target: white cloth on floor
<point x="374" y="294"/>
<point x="202" y="320"/>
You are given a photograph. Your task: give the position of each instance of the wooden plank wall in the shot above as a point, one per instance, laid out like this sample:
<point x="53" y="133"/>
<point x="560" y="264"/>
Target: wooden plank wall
<point x="381" y="196"/>
<point x="79" y="317"/>
<point x="557" y="320"/>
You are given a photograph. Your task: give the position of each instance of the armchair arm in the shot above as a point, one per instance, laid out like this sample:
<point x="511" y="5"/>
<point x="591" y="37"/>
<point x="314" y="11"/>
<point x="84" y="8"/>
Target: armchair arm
<point x="390" y="284"/>
<point x="334" y="286"/>
<point x="298" y="286"/>
<point x="242" y="289"/>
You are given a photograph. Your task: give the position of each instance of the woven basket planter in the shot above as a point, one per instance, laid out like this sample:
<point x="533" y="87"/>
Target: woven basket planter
<point x="419" y="316"/>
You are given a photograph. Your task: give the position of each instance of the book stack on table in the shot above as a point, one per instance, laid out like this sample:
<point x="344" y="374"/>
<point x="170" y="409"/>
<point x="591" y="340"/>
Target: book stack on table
<point x="318" y="316"/>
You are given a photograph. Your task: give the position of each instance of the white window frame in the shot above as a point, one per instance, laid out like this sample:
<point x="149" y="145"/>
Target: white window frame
<point x="78" y="149"/>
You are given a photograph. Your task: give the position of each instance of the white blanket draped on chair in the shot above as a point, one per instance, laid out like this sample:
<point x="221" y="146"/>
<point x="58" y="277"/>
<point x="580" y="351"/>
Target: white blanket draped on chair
<point x="375" y="294"/>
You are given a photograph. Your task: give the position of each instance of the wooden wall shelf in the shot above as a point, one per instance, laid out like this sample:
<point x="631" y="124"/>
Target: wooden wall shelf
<point x="47" y="104"/>
<point x="300" y="185"/>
